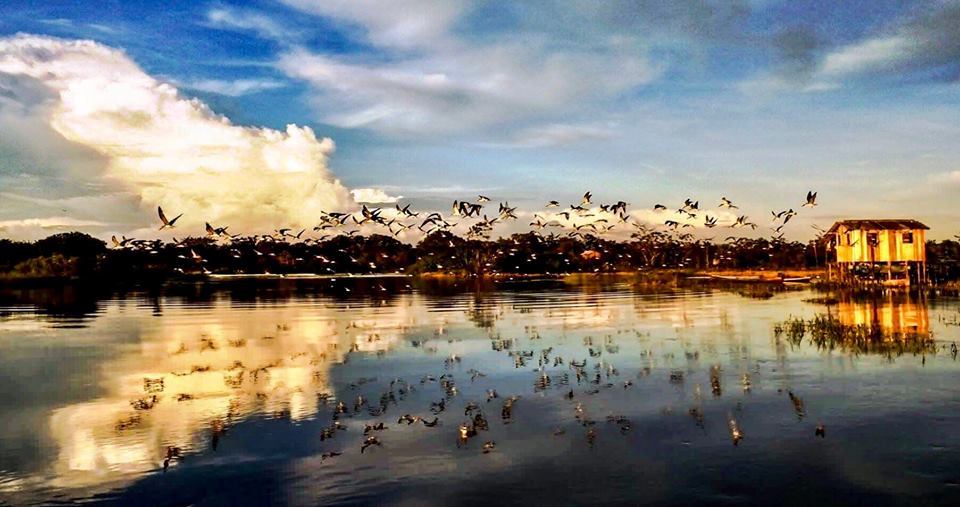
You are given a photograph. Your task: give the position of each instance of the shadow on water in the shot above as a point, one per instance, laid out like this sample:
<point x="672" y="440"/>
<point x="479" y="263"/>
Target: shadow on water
<point x="68" y="303"/>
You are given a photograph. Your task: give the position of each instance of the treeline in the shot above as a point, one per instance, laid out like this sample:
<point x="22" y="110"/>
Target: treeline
<point x="66" y="255"/>
<point x="79" y="255"/>
<point x="943" y="261"/>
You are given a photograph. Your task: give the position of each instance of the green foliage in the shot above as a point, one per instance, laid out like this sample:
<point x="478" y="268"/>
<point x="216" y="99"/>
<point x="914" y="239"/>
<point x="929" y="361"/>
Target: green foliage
<point x="529" y="253"/>
<point x="14" y="252"/>
<point x="63" y="255"/>
<point x="52" y="266"/>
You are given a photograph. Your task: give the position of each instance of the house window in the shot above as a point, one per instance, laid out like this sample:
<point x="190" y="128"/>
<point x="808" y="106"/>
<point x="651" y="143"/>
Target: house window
<point x="873" y="239"/>
<point x="849" y="236"/>
<point x="907" y="237"/>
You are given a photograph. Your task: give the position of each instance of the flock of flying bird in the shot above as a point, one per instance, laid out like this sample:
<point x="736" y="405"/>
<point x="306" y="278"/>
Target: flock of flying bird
<point x="579" y="220"/>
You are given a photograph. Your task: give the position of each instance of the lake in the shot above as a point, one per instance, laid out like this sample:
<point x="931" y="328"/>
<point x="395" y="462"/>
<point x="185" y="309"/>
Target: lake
<point x="591" y="391"/>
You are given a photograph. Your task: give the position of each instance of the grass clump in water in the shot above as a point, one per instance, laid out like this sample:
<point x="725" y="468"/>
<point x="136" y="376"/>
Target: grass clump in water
<point x="827" y="332"/>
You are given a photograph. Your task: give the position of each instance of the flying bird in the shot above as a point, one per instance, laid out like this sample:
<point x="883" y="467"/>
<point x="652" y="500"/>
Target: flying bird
<point x="811" y="199"/>
<point x="215" y="231"/>
<point x="742" y="222"/>
<point x="163" y="218"/>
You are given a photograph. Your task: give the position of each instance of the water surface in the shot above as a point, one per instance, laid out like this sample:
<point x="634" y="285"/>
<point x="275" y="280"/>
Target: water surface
<point x="252" y="374"/>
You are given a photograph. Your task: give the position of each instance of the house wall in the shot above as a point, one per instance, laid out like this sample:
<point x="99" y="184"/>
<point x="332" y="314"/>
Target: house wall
<point x="852" y="246"/>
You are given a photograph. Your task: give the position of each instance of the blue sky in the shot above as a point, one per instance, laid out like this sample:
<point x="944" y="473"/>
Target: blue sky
<point x="644" y="101"/>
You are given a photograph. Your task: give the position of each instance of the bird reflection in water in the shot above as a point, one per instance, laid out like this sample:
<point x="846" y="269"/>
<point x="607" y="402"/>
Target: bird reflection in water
<point x="193" y="385"/>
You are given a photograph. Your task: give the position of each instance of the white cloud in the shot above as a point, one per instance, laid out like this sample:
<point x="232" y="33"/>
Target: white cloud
<point x="871" y="54"/>
<point x="466" y="89"/>
<point x="103" y="28"/>
<point x="373" y="196"/>
<point x="429" y="80"/>
<point x="415" y="23"/>
<point x="235" y="88"/>
<point x="558" y="134"/>
<point x="924" y="42"/>
<point x="228" y="18"/>
<point x="772" y="84"/>
<point x="950" y="177"/>
<point x="172" y="151"/>
<point x="60" y="22"/>
<point x="47" y="224"/>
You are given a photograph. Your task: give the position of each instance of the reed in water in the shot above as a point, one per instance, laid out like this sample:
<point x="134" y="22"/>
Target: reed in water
<point x="827" y="332"/>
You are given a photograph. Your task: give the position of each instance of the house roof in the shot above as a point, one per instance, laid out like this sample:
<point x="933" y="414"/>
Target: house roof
<point x="895" y="224"/>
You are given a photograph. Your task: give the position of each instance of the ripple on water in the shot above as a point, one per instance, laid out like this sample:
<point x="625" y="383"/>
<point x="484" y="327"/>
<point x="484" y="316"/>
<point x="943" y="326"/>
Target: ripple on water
<point x="246" y="384"/>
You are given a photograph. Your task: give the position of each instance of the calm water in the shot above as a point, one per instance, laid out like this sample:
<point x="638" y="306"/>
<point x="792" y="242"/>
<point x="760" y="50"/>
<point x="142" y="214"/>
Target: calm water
<point x="252" y="374"/>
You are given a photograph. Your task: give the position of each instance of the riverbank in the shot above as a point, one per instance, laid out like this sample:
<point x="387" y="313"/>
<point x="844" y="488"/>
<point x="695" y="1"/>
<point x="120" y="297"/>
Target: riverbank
<point x="646" y="278"/>
<point x="766" y="274"/>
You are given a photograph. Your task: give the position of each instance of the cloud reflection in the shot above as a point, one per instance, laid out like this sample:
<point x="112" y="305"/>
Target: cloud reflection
<point x="220" y="367"/>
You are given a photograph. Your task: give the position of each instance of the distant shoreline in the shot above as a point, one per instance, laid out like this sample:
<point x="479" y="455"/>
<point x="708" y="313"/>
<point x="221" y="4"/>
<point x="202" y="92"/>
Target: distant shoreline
<point x="658" y="275"/>
<point x="752" y="282"/>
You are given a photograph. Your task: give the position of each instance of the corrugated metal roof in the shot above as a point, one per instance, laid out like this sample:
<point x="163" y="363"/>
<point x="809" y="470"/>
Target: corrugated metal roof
<point x="879" y="224"/>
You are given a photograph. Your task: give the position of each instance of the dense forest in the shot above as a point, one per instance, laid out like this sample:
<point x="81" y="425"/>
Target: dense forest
<point x="74" y="254"/>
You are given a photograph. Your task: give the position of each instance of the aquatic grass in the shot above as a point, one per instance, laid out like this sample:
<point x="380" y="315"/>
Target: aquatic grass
<point x="826" y="332"/>
<point x="793" y="328"/>
<point x="822" y="300"/>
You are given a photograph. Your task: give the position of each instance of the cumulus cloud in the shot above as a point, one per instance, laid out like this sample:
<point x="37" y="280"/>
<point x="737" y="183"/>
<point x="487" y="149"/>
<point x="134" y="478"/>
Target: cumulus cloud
<point x="169" y="150"/>
<point x="373" y="196"/>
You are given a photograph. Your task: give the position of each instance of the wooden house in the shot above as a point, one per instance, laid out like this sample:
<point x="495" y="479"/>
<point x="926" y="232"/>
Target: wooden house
<point x="891" y="251"/>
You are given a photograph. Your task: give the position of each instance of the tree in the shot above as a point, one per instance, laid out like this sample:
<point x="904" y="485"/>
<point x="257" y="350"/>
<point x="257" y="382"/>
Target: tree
<point x="71" y="244"/>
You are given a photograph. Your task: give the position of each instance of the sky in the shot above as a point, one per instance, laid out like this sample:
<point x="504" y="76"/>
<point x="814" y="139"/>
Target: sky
<point x="260" y="114"/>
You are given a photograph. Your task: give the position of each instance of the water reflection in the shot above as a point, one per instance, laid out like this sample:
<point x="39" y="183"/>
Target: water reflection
<point x="895" y="312"/>
<point x="262" y="368"/>
<point x="193" y="370"/>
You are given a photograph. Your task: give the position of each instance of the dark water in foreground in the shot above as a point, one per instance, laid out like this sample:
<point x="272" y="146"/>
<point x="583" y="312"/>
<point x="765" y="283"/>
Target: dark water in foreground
<point x="252" y="375"/>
